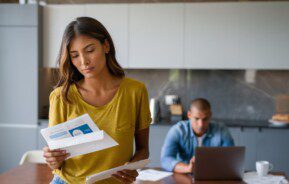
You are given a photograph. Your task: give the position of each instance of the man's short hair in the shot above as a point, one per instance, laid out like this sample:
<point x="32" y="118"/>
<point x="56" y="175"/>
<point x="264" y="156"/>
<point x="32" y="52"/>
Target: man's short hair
<point x="201" y="104"/>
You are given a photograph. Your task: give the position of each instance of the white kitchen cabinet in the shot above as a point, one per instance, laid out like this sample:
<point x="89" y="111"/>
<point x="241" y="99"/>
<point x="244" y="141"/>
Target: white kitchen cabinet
<point x="227" y="35"/>
<point x="156" y="35"/>
<point x="55" y="20"/>
<point x="250" y="35"/>
<point x="264" y="35"/>
<point x="115" y="18"/>
<point x="18" y="59"/>
<point x="211" y="35"/>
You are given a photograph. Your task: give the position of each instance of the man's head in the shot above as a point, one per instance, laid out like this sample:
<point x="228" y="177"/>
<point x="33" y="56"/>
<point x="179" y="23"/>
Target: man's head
<point x="200" y="115"/>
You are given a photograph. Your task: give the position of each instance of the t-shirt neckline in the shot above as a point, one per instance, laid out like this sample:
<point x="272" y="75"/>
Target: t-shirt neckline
<point x="100" y="107"/>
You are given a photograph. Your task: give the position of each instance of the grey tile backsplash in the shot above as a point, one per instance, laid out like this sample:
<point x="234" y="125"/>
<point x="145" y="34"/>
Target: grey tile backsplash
<point x="234" y="94"/>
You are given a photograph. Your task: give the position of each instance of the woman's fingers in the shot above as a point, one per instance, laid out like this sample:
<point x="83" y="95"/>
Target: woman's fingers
<point x="54" y="163"/>
<point x="126" y="176"/>
<point x="54" y="158"/>
<point x="54" y="153"/>
<point x="132" y="173"/>
<point x="122" y="179"/>
<point x="57" y="158"/>
<point x="46" y="149"/>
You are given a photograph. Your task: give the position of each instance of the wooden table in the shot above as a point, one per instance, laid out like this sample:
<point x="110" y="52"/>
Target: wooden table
<point x="27" y="174"/>
<point x="41" y="174"/>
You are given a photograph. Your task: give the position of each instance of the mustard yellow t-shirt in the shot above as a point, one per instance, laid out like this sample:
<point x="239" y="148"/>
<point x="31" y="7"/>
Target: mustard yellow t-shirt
<point x="127" y="113"/>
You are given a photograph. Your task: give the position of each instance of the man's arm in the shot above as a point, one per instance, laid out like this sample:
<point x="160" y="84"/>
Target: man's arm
<point x="170" y="150"/>
<point x="227" y="139"/>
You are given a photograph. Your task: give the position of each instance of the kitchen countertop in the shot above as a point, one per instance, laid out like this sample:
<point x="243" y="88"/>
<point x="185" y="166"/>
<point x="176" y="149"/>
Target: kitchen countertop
<point x="228" y="122"/>
<point x="232" y="123"/>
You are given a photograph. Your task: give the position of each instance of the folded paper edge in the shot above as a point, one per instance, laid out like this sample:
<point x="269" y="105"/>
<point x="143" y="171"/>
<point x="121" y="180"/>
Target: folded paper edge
<point x="72" y="141"/>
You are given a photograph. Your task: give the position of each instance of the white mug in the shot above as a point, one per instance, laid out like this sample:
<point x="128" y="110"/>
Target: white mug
<point x="263" y="167"/>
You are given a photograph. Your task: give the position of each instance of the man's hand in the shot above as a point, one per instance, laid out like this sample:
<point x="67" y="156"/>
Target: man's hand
<point x="191" y="165"/>
<point x="185" y="168"/>
<point x="54" y="158"/>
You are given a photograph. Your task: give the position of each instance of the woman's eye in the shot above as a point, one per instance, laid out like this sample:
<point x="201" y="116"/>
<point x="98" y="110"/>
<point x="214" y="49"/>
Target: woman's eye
<point x="74" y="56"/>
<point x="90" y="50"/>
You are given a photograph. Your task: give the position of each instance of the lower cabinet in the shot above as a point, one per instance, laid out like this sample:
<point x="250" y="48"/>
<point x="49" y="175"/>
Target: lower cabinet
<point x="156" y="141"/>
<point x="247" y="137"/>
<point x="15" y="141"/>
<point x="273" y="146"/>
<point x="264" y="144"/>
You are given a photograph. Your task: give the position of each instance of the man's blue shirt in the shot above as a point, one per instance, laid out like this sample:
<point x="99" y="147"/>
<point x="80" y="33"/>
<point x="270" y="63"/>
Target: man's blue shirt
<point x="181" y="141"/>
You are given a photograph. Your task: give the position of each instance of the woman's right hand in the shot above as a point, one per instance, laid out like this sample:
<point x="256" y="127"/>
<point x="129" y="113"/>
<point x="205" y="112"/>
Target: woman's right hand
<point x="54" y="158"/>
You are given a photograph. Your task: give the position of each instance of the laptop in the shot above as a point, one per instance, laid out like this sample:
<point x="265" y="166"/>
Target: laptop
<point x="219" y="163"/>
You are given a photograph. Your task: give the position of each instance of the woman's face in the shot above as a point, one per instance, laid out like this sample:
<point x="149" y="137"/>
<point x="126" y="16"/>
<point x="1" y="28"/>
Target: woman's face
<point x="88" y="55"/>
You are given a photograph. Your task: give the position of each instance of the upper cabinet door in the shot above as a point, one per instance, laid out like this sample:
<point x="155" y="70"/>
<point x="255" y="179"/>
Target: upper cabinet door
<point x="246" y="35"/>
<point x="251" y="35"/>
<point x="55" y="20"/>
<point x="115" y="18"/>
<point x="156" y="35"/>
<point x="265" y="35"/>
<point x="211" y="35"/>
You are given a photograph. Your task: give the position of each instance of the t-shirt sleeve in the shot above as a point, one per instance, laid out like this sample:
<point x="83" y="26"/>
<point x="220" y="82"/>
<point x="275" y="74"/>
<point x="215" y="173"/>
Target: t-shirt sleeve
<point x="144" y="116"/>
<point x="56" y="109"/>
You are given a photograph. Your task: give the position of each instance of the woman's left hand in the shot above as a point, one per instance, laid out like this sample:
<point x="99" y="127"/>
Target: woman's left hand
<point x="126" y="176"/>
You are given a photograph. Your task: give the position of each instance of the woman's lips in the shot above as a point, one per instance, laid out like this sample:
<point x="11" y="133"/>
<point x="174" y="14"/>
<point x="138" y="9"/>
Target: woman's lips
<point x="88" y="69"/>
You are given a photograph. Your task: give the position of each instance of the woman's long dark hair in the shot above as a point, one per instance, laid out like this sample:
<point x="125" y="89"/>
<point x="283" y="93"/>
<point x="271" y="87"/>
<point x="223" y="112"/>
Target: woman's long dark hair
<point x="68" y="73"/>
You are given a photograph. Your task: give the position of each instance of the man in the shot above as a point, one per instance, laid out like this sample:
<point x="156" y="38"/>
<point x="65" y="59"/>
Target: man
<point x="179" y="147"/>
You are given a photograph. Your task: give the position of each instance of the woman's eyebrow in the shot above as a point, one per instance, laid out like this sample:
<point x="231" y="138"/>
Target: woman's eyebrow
<point x="83" y="48"/>
<point x="88" y="45"/>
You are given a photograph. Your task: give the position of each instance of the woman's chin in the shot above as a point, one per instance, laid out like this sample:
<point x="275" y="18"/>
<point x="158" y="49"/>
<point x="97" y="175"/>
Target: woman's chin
<point x="89" y="75"/>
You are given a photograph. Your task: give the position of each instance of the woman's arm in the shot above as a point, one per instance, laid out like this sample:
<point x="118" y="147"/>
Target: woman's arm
<point x="141" y="137"/>
<point x="142" y="145"/>
<point x="142" y="152"/>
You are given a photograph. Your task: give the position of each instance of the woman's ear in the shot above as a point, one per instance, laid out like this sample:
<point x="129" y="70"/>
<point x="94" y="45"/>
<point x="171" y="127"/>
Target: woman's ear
<point x="106" y="46"/>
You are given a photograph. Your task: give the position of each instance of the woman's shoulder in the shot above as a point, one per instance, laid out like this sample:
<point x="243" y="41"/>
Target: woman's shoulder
<point x="56" y="93"/>
<point x="133" y="84"/>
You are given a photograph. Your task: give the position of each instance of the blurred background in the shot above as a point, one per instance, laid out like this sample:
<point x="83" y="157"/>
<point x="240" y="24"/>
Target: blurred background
<point x="233" y="53"/>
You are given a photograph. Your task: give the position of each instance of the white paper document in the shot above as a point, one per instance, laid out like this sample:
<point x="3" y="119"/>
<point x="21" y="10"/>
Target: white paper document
<point x="254" y="178"/>
<point x="152" y="175"/>
<point x="107" y="174"/>
<point x="77" y="136"/>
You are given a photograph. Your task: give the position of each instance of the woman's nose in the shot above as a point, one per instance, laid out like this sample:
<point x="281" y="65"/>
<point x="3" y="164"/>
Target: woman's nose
<point x="84" y="61"/>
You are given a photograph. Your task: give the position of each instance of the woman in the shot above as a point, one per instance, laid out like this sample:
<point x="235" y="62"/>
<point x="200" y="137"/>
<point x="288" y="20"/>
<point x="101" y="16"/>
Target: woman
<point x="91" y="81"/>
